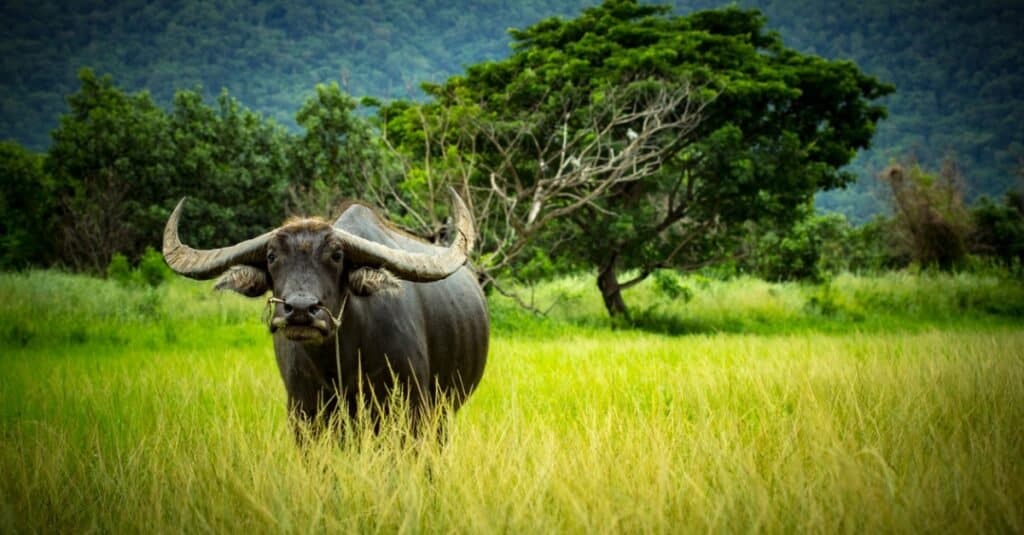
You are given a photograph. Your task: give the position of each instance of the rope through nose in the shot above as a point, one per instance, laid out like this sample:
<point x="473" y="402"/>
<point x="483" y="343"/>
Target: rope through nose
<point x="335" y="320"/>
<point x="337" y="338"/>
<point x="268" y="313"/>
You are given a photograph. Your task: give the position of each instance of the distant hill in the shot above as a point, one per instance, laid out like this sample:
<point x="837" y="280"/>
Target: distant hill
<point x="958" y="68"/>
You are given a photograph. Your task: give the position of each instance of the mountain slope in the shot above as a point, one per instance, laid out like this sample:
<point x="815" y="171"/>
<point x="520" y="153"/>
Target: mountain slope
<point x="959" y="69"/>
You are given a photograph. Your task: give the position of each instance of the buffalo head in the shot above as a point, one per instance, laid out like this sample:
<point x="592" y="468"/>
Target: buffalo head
<point x="311" y="266"/>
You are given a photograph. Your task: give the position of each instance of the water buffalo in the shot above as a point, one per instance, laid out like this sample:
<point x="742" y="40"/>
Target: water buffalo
<point x="360" y="309"/>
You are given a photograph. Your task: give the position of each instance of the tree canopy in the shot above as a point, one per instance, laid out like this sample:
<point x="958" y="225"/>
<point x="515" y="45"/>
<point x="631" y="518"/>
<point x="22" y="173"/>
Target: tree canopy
<point x="770" y="127"/>
<point x="119" y="163"/>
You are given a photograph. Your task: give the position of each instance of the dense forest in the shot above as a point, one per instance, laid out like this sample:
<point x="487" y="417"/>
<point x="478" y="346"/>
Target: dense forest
<point x="957" y="67"/>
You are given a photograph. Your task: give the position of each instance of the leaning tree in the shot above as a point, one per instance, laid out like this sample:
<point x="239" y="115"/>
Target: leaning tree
<point x="630" y="140"/>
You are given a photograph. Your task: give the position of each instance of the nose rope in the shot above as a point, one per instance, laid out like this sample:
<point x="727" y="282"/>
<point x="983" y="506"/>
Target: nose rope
<point x="335" y="320"/>
<point x="268" y="312"/>
<point x="337" y="337"/>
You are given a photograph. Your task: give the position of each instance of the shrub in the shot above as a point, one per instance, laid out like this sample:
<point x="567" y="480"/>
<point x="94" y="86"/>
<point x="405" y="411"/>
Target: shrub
<point x="668" y="284"/>
<point x="830" y="302"/>
<point x="151" y="271"/>
<point x="999" y="228"/>
<point x="26" y="208"/>
<point x="811" y="249"/>
<point x="119" y="269"/>
<point x="152" y="268"/>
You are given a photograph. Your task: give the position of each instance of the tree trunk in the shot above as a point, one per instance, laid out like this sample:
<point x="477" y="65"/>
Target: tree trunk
<point x="611" y="292"/>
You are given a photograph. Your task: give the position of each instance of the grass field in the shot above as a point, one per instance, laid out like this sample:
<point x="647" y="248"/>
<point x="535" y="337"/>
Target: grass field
<point x="881" y="404"/>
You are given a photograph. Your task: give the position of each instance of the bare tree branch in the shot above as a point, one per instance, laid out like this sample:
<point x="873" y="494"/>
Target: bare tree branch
<point x="618" y="142"/>
<point x="519" y="175"/>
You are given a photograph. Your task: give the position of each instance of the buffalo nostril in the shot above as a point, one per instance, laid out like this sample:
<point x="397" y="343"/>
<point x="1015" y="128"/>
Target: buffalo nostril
<point x="300" y="308"/>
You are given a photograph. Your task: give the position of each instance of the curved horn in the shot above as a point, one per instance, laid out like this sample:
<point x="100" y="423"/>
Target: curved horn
<point x="417" y="267"/>
<point x="207" y="264"/>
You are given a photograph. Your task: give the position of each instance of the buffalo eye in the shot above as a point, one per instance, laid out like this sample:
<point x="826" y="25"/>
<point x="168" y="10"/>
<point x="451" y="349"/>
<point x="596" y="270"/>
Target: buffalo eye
<point x="271" y="257"/>
<point x="336" y="256"/>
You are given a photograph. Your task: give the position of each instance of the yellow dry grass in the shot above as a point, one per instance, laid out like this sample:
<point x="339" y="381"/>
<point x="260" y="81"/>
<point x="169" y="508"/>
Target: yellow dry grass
<point x="593" y="432"/>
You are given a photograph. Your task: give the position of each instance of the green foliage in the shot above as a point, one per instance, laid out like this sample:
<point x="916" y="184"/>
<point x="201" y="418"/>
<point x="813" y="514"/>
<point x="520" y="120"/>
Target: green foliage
<point x="120" y="163"/>
<point x="119" y="269"/>
<point x="232" y="163"/>
<point x="109" y="158"/>
<point x="776" y="126"/>
<point x="537" y="268"/>
<point x="336" y="158"/>
<point x="870" y="248"/>
<point x="669" y="284"/>
<point x="956" y="64"/>
<point x="999" y="228"/>
<point x="817" y="247"/>
<point x="796" y="254"/>
<point x="151" y="270"/>
<point x="27" y="232"/>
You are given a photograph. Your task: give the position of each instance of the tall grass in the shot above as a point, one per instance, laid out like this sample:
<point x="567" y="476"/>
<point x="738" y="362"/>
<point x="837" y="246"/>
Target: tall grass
<point x="895" y="301"/>
<point x="47" y="308"/>
<point x="177" y="422"/>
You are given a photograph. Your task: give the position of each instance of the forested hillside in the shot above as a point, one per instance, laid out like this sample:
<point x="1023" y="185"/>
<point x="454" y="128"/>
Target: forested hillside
<point x="958" y="68"/>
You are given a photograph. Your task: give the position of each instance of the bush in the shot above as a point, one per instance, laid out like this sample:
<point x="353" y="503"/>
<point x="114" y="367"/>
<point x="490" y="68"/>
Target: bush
<point x="152" y="268"/>
<point x="151" y="271"/>
<point x="811" y="249"/>
<point x="120" y="270"/>
<point x="26" y="208"/>
<point x="669" y="285"/>
<point x="999" y="228"/>
<point x="869" y="248"/>
<point x="830" y="302"/>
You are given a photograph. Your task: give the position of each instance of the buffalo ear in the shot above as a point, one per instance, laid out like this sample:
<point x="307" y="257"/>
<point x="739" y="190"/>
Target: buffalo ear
<point x="367" y="281"/>
<point x="247" y="280"/>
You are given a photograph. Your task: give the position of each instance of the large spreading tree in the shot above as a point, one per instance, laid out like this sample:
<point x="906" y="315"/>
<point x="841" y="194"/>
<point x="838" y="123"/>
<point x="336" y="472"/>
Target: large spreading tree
<point x="630" y="139"/>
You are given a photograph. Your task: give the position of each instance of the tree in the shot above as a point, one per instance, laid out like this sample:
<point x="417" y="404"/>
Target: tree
<point x="120" y="163"/>
<point x="812" y="248"/>
<point x="336" y="158"/>
<point x="617" y="139"/>
<point x="931" y="220"/>
<point x="26" y="208"/>
<point x="769" y="127"/>
<point x="109" y="156"/>
<point x="999" y="228"/>
<point x="234" y="164"/>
